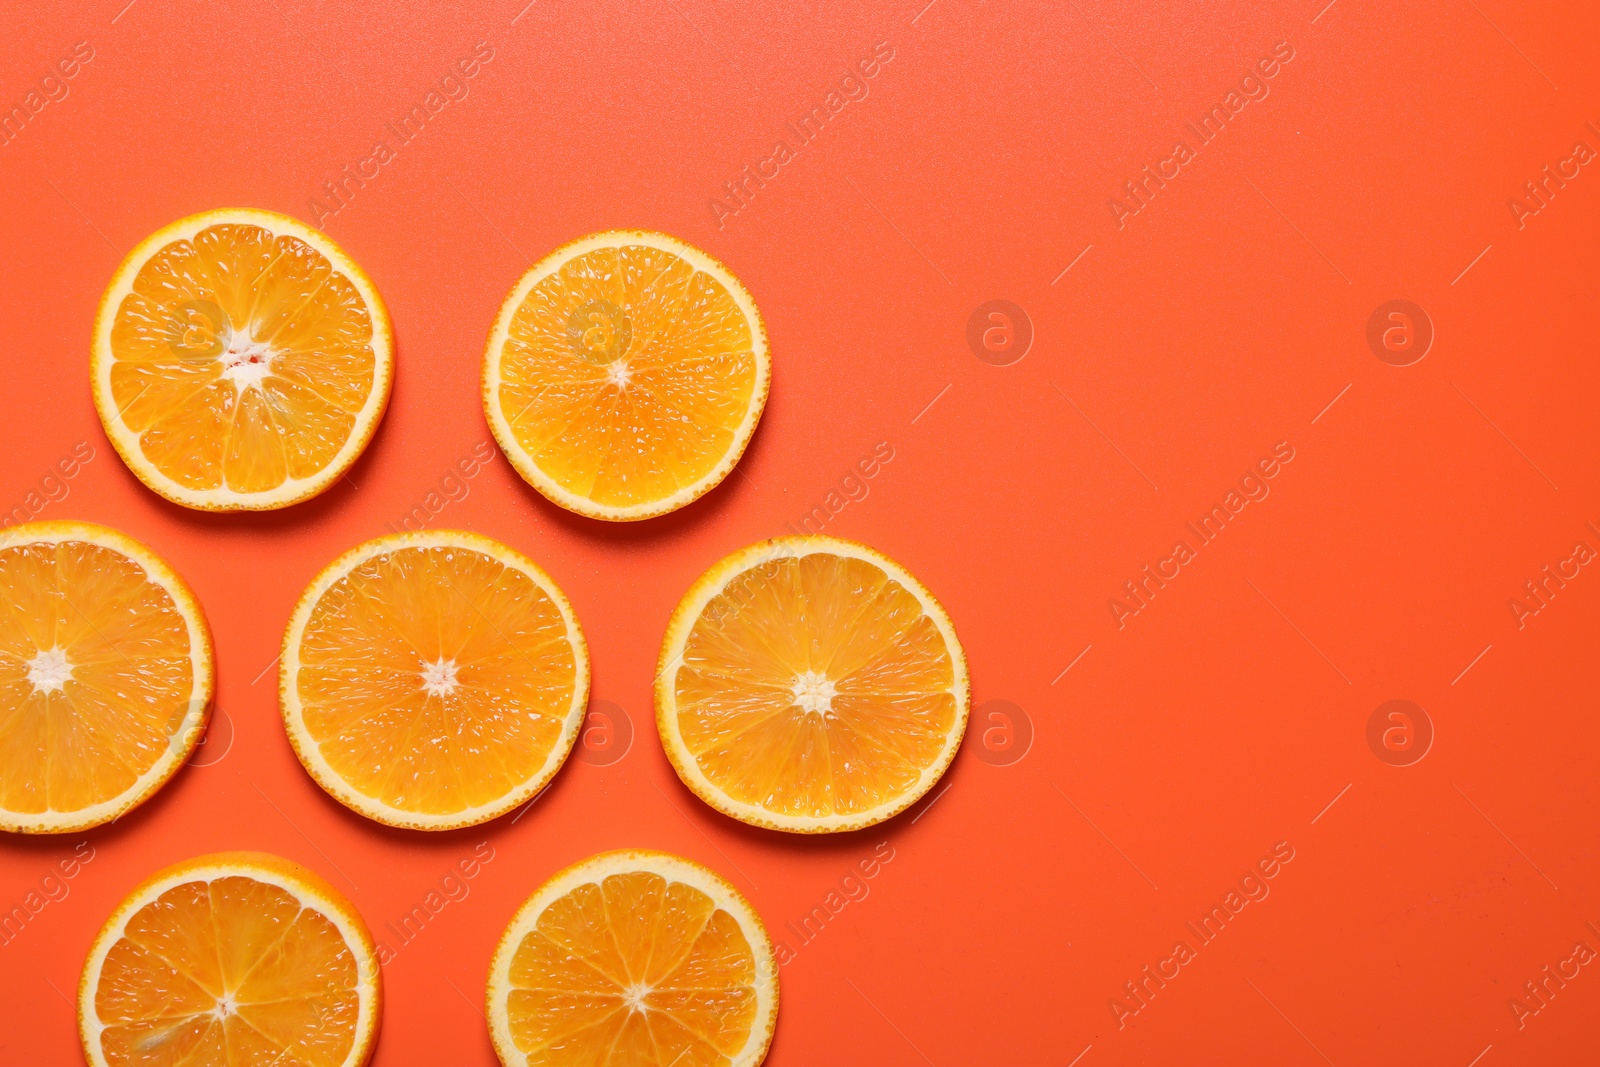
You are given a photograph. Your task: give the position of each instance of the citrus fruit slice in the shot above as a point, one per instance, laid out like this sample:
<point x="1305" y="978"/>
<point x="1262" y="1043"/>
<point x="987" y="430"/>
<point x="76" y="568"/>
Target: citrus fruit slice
<point x="106" y="675"/>
<point x="625" y="374"/>
<point x="241" y="361"/>
<point x="633" y="959"/>
<point x="433" y="680"/>
<point x="233" y="959"/>
<point x="810" y="684"/>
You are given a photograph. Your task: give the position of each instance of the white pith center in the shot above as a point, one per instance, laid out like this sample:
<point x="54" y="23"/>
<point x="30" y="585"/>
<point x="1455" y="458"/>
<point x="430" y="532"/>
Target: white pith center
<point x="49" y="671"/>
<point x="617" y="373"/>
<point x="439" y="677"/>
<point x="225" y="1007"/>
<point x="813" y="691"/>
<point x="245" y="361"/>
<point x="634" y="996"/>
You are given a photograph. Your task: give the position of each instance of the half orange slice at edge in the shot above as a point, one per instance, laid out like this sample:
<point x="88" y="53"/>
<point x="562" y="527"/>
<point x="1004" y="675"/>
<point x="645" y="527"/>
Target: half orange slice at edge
<point x="106" y="675"/>
<point x="633" y="959"/>
<point x="229" y="960"/>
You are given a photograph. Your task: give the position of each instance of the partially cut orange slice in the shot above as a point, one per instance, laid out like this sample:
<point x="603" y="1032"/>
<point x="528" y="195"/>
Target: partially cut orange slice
<point x="810" y="684"/>
<point x="625" y="374"/>
<point x="433" y="680"/>
<point x="106" y="675"/>
<point x="633" y="959"/>
<point x="239" y="959"/>
<point x="241" y="360"/>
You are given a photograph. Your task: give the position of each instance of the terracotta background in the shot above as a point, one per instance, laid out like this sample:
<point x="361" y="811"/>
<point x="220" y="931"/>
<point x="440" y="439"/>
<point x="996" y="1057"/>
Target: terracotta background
<point x="1225" y="316"/>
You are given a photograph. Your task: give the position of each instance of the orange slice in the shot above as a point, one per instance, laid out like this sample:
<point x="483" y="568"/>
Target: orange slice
<point x="633" y="959"/>
<point x="241" y="361"/>
<point x="810" y="684"/>
<point x="625" y="374"/>
<point x="106" y="675"/>
<point x="233" y="959"/>
<point x="433" y="680"/>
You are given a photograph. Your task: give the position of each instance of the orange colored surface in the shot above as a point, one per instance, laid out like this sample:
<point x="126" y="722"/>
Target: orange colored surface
<point x="1167" y="359"/>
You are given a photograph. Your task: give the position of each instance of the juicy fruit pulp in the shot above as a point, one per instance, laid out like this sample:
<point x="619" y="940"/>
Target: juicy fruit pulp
<point x="435" y="679"/>
<point x="815" y="687"/>
<point x="242" y="360"/>
<point x="97" y="684"/>
<point x="627" y="376"/>
<point x="636" y="969"/>
<point x="224" y="971"/>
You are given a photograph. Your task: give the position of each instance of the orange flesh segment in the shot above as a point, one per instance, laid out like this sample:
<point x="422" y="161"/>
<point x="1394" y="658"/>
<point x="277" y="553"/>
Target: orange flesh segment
<point x="841" y="621"/>
<point x="228" y="972"/>
<point x="688" y="366"/>
<point x="69" y="747"/>
<point x="363" y="680"/>
<point x="635" y="940"/>
<point x="237" y="292"/>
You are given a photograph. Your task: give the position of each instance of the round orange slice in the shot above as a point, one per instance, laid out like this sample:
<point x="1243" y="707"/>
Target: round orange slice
<point x="633" y="959"/>
<point x="810" y="684"/>
<point x="228" y="960"/>
<point x="106" y="675"/>
<point x="625" y="374"/>
<point x="433" y="680"/>
<point x="241" y="361"/>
